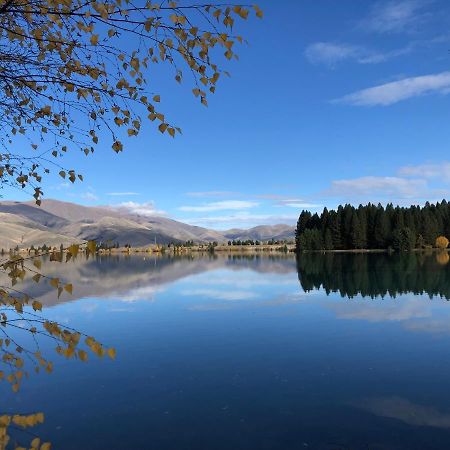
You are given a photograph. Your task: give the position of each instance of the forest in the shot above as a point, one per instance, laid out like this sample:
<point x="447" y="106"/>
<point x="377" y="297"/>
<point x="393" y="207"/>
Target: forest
<point x="374" y="227"/>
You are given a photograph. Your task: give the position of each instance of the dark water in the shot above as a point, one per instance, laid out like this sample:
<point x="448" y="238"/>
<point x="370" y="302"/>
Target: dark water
<point x="339" y="352"/>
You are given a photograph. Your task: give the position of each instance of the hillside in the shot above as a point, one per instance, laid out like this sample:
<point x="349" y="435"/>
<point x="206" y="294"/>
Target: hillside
<point x="56" y="222"/>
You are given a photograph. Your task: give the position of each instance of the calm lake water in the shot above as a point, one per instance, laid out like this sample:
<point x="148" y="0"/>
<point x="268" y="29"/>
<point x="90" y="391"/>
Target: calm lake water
<point x="339" y="351"/>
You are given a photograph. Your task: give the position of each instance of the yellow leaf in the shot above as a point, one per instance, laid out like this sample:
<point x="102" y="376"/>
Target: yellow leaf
<point x="37" y="306"/>
<point x="157" y="98"/>
<point x="94" y="39"/>
<point x="37" y="263"/>
<point x="111" y="353"/>
<point x="258" y="11"/>
<point x="69" y="288"/>
<point x="117" y="146"/>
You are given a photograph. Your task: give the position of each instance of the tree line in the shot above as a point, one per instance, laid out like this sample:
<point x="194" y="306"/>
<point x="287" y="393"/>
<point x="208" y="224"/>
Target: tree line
<point x="374" y="227"/>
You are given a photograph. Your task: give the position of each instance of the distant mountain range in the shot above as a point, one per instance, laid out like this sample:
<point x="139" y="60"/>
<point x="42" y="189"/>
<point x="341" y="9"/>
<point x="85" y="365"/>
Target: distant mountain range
<point x="56" y="222"/>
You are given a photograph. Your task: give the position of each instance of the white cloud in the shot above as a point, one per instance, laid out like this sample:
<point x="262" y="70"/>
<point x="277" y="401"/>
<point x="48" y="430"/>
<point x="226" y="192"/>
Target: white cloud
<point x="394" y="187"/>
<point x="211" y="194"/>
<point x="142" y="209"/>
<point x="297" y="203"/>
<point x="331" y="53"/>
<point x="90" y="196"/>
<point x="62" y="186"/>
<point x="122" y="194"/>
<point x="394" y="16"/>
<point x="220" y="206"/>
<point x="440" y="171"/>
<point x="396" y="91"/>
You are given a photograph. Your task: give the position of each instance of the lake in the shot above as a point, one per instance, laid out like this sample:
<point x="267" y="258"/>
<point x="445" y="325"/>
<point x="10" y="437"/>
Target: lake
<point x="334" y="351"/>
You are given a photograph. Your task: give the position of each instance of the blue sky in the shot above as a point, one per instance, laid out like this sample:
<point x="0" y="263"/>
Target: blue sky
<point x="331" y="102"/>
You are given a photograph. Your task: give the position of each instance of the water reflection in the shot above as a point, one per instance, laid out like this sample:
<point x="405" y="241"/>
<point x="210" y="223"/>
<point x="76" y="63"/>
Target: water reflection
<point x="229" y="352"/>
<point x="137" y="277"/>
<point x="376" y="274"/>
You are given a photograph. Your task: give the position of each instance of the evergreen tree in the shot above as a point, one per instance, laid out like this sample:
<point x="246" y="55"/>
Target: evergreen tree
<point x="373" y="227"/>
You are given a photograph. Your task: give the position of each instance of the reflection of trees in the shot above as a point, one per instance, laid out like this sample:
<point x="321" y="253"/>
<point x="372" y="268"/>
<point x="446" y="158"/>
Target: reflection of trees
<point x="372" y="275"/>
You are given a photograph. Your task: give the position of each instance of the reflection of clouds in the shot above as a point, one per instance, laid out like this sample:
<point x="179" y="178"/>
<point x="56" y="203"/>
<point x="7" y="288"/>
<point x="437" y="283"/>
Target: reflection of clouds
<point x="441" y="325"/>
<point x="211" y="307"/>
<point x="88" y="307"/>
<point x="406" y="411"/>
<point x="418" y="314"/>
<point x="246" y="280"/>
<point x="218" y="294"/>
<point x="286" y="299"/>
<point x="121" y="310"/>
<point x="140" y="293"/>
<point x="395" y="311"/>
<point x="280" y="300"/>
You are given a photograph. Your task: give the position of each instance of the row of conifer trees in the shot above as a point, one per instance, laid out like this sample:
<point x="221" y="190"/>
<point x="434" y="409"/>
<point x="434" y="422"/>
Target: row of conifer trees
<point x="373" y="227"/>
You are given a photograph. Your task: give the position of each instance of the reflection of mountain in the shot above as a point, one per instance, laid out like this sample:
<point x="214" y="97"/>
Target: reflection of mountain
<point x="372" y="275"/>
<point x="131" y="275"/>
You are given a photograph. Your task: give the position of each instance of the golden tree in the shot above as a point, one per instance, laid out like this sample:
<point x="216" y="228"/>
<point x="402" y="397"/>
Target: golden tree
<point x="441" y="242"/>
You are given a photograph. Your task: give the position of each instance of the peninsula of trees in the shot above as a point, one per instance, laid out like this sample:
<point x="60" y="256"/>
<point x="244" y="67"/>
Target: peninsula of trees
<point x="374" y="227"/>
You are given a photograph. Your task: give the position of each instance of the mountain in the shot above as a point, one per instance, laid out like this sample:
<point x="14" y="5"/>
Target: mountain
<point x="279" y="232"/>
<point x="56" y="222"/>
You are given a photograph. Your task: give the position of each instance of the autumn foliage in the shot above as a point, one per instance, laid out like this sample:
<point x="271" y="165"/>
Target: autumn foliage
<point x="74" y="73"/>
<point x="441" y="242"/>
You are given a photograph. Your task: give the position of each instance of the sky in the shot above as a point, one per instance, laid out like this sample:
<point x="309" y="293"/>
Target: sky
<point x="331" y="102"/>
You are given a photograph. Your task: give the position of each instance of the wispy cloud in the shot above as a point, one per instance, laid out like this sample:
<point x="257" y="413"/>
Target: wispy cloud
<point x="331" y="53"/>
<point x="396" y="91"/>
<point x="372" y="187"/>
<point x="297" y="203"/>
<point x="395" y="16"/>
<point x="90" y="196"/>
<point x="214" y="194"/>
<point x="122" y="194"/>
<point x="141" y="209"/>
<point x="62" y="186"/>
<point x="220" y="206"/>
<point x="439" y="171"/>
